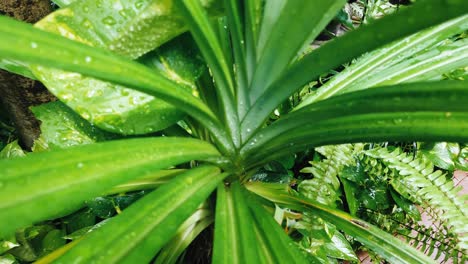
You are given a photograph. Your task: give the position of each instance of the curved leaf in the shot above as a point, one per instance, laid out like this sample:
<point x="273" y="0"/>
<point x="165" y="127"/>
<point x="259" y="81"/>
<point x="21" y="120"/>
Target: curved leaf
<point x="63" y="3"/>
<point x="389" y="55"/>
<point x="17" y="67"/>
<point x="430" y="64"/>
<point x="187" y="232"/>
<point x="395" y="126"/>
<point x="391" y="248"/>
<point x="412" y="98"/>
<point x="62" y="128"/>
<point x="22" y="42"/>
<point x="344" y="49"/>
<point x="50" y="184"/>
<point x="298" y="23"/>
<point x="141" y="230"/>
<point x="130" y="29"/>
<point x="147" y="182"/>
<point x="210" y="46"/>
<point x="276" y="240"/>
<point x="418" y="177"/>
<point x="233" y="239"/>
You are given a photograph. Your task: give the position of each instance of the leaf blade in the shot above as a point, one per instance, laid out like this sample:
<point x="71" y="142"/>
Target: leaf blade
<point x="344" y="49"/>
<point x="383" y="243"/>
<point x="41" y="190"/>
<point x="277" y="53"/>
<point x="234" y="240"/>
<point x="441" y="98"/>
<point x="24" y="43"/>
<point x="385" y="57"/>
<point x="141" y="230"/>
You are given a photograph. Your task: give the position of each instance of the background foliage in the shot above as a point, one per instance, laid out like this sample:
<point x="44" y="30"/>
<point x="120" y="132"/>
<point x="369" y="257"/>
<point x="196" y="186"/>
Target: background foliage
<point x="161" y="135"/>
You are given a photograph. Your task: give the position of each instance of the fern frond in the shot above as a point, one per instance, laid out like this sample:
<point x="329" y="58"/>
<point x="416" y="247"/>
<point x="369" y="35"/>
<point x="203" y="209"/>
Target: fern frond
<point x="324" y="186"/>
<point x="417" y="175"/>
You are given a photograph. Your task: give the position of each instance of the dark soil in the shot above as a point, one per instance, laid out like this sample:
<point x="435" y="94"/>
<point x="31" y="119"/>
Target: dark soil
<point x="201" y="249"/>
<point x="17" y="92"/>
<point x="29" y="11"/>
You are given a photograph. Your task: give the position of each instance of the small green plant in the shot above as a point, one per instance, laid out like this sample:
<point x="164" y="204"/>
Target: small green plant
<point x="204" y="127"/>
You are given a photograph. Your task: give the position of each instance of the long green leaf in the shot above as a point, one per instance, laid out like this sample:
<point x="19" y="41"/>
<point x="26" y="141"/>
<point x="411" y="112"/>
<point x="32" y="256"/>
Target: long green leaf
<point x="137" y="234"/>
<point x="187" y="232"/>
<point x="129" y="28"/>
<point x="415" y="97"/>
<point x="236" y="29"/>
<point x="389" y="55"/>
<point x="442" y="97"/>
<point x="298" y="22"/>
<point x="22" y="42"/>
<point x="210" y="46"/>
<point x="345" y="48"/>
<point x="50" y="184"/>
<point x="252" y="14"/>
<point x="389" y="247"/>
<point x="114" y="24"/>
<point x="271" y="12"/>
<point x="63" y="128"/>
<point x="396" y="126"/>
<point x="279" y="244"/>
<point x="234" y="240"/>
<point x="63" y="3"/>
<point x="427" y="65"/>
<point x="17" y="67"/>
<point x="147" y="182"/>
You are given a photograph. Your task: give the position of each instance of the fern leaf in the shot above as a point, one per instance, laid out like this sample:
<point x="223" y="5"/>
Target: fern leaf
<point x="325" y="185"/>
<point x="423" y="183"/>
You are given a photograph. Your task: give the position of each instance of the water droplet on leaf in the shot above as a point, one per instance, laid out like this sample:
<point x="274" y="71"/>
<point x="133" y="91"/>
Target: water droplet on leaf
<point x="109" y="21"/>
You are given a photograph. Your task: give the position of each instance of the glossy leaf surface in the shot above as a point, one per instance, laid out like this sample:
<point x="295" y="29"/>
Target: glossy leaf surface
<point x="381" y="59"/>
<point x="234" y="241"/>
<point x="140" y="231"/>
<point x="36" y="188"/>
<point x="187" y="232"/>
<point x="382" y="243"/>
<point x="24" y="43"/>
<point x="288" y="36"/>
<point x="210" y="46"/>
<point x="406" y="101"/>
<point x="129" y="28"/>
<point x="344" y="49"/>
<point x="62" y="128"/>
<point x="277" y="241"/>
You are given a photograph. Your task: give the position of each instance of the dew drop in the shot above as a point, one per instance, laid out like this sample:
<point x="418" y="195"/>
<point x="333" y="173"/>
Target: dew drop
<point x="67" y="97"/>
<point x="109" y="21"/>
<point x="139" y="4"/>
<point x="33" y="45"/>
<point x="86" y="23"/>
<point x="124" y="92"/>
<point x="88" y="59"/>
<point x="80" y="165"/>
<point x="397" y="121"/>
<point x="124" y="13"/>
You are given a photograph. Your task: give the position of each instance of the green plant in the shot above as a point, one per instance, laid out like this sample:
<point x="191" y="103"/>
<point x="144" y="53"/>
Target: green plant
<point x="373" y="183"/>
<point x="251" y="53"/>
